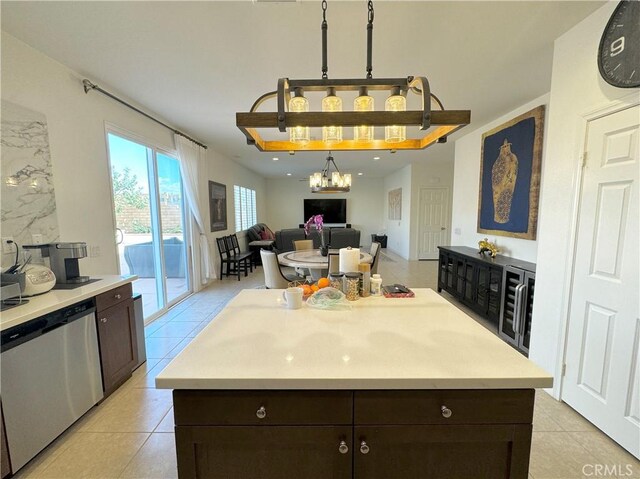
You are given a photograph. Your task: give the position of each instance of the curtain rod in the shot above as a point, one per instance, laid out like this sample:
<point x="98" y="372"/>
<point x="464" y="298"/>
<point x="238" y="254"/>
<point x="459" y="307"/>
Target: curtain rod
<point x="88" y="85"/>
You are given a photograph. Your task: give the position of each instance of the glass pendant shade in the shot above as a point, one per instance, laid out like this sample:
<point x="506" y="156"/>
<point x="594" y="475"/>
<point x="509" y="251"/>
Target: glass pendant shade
<point x="363" y="103"/>
<point x="395" y="133"/>
<point x="331" y="102"/>
<point x="346" y="179"/>
<point x="299" y="104"/>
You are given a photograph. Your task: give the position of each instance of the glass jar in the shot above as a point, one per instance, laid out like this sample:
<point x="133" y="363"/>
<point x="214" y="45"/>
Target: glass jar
<point x="376" y="285"/>
<point x="336" y="280"/>
<point x="352" y="286"/>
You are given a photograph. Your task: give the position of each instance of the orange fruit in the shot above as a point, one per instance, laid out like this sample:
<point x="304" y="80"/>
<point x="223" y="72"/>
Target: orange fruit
<point x="306" y="289"/>
<point x="315" y="287"/>
<point x="323" y="282"/>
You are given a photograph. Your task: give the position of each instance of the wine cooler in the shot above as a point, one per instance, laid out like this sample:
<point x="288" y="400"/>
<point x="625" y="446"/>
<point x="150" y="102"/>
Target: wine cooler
<point x="518" y="287"/>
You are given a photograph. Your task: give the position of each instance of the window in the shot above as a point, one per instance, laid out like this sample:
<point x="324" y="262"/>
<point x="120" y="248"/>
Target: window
<point x="150" y="222"/>
<point x="244" y="201"/>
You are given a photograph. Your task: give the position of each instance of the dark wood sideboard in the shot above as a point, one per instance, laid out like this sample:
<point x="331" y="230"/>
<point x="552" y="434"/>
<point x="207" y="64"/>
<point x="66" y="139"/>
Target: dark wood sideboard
<point x="491" y="288"/>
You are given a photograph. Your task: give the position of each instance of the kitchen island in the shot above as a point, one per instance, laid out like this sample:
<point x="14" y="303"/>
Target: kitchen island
<point x="407" y="387"/>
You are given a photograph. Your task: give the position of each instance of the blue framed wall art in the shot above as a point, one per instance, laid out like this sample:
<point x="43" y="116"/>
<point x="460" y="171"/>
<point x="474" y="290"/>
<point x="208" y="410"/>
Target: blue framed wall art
<point x="510" y="167"/>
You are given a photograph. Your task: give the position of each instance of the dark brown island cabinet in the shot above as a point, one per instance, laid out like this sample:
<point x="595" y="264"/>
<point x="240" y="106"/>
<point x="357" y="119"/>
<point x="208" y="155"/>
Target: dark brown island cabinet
<point x="337" y="434"/>
<point x="116" y="336"/>
<point x="499" y="289"/>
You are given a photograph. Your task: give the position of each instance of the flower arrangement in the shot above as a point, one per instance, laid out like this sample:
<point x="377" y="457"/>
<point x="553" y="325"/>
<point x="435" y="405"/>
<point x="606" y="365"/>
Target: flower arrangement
<point x="318" y="222"/>
<point x="315" y="220"/>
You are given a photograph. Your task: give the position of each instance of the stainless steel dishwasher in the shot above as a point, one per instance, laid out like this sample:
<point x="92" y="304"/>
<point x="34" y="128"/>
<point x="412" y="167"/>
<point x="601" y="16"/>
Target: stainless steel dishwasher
<point x="50" y="377"/>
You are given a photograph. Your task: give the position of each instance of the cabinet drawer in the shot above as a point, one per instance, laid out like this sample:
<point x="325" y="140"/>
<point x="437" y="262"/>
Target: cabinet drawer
<point x="113" y="297"/>
<point x="203" y="408"/>
<point x="493" y="406"/>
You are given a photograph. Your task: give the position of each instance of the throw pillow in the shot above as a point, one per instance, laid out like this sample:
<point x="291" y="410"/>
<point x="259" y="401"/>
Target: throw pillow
<point x="270" y="235"/>
<point x="264" y="235"/>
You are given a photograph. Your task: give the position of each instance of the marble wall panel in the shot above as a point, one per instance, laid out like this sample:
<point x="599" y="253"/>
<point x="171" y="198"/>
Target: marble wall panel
<point x="28" y="203"/>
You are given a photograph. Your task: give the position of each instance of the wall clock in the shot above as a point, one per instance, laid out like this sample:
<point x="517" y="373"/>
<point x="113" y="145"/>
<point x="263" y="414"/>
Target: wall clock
<point x="619" y="51"/>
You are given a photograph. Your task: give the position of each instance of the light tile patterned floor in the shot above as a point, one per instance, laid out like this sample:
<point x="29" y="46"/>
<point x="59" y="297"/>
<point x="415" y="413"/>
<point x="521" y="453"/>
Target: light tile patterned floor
<point x="130" y="435"/>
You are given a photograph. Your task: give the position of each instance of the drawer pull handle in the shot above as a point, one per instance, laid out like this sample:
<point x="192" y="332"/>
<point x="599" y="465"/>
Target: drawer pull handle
<point x="103" y="320"/>
<point x="343" y="448"/>
<point x="118" y="296"/>
<point x="261" y="413"/>
<point x="364" y="447"/>
<point x="446" y="412"/>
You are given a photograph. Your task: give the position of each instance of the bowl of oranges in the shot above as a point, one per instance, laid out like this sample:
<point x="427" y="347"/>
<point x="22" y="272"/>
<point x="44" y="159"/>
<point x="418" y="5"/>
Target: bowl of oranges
<point x="308" y="287"/>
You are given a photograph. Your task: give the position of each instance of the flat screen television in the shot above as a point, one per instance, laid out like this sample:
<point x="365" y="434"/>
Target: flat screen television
<point x="334" y="210"/>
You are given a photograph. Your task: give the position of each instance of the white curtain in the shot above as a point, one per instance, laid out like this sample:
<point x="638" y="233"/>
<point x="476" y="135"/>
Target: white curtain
<point x="192" y="165"/>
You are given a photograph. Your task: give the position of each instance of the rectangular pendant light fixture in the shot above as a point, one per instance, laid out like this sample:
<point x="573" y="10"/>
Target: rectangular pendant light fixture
<point x="298" y="120"/>
<point x="437" y="124"/>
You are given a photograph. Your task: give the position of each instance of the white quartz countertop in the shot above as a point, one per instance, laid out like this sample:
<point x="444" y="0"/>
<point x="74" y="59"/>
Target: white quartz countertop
<point x="380" y="343"/>
<point x="59" y="298"/>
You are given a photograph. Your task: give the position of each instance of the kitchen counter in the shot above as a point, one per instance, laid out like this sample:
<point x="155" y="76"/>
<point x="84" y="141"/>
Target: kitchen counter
<point x="59" y="298"/>
<point x="405" y="343"/>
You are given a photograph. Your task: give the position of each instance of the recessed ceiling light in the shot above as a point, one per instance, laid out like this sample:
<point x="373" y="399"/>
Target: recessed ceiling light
<point x="288" y="174"/>
<point x="376" y="158"/>
<point x="360" y="174"/>
<point x="275" y="158"/>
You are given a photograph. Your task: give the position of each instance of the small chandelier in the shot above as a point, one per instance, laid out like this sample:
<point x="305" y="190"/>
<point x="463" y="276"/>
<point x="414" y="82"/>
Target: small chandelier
<point x="293" y="115"/>
<point x="328" y="181"/>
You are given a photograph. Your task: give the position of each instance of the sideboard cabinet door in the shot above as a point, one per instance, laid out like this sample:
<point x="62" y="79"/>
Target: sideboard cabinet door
<point x="443" y="452"/>
<point x="118" y="344"/>
<point x="264" y="452"/>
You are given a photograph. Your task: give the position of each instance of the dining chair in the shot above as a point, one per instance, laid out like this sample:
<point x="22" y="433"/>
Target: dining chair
<point x="246" y="257"/>
<point x="303" y="245"/>
<point x="375" y="254"/>
<point x="300" y="245"/>
<point x="274" y="278"/>
<point x="235" y="266"/>
<point x="224" y="256"/>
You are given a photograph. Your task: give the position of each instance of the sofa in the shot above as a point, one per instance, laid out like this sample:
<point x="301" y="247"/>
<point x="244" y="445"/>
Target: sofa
<point x="139" y="258"/>
<point x="286" y="237"/>
<point x="343" y="237"/>
<point x="334" y="237"/>
<point x="257" y="231"/>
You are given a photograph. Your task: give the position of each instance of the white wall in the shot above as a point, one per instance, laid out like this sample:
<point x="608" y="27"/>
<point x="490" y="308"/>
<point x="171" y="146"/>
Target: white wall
<point x="364" y="204"/>
<point x="466" y="188"/>
<point x="77" y="138"/>
<point x="229" y="173"/>
<point x="427" y="174"/>
<point x="76" y="124"/>
<point x="399" y="231"/>
<point x="576" y="89"/>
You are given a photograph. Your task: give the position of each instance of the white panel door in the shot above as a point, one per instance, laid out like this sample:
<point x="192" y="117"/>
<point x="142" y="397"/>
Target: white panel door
<point x="432" y="221"/>
<point x="602" y="370"/>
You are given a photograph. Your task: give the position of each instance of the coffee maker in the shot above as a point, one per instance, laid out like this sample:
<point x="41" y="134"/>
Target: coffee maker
<point x="63" y="260"/>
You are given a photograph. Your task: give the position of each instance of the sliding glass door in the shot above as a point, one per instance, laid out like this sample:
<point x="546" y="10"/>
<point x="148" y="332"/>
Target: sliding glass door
<point x="150" y="222"/>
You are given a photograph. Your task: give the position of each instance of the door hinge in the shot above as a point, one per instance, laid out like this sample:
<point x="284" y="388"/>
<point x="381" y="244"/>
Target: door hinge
<point x="564" y="369"/>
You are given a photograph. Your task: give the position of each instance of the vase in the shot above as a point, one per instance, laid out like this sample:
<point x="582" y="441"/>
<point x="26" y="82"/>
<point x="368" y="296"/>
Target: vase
<point x="324" y="250"/>
<point x="503" y="181"/>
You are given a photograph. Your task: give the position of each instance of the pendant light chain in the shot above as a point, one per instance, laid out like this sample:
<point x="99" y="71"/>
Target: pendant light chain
<point x="370" y="38"/>
<point x="324" y="40"/>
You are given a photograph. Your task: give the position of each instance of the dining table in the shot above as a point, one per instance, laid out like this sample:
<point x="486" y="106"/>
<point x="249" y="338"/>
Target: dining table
<point x="313" y="260"/>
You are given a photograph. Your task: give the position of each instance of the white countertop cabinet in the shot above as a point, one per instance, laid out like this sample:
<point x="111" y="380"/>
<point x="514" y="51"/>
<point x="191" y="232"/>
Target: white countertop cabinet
<point x="407" y="388"/>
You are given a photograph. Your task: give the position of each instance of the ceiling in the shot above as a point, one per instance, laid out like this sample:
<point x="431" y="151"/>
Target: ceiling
<point x="195" y="64"/>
